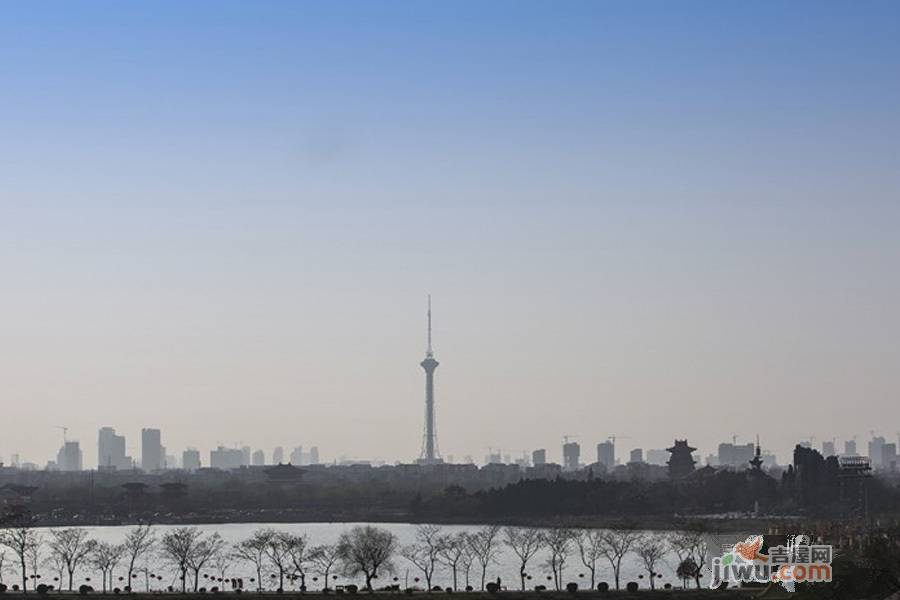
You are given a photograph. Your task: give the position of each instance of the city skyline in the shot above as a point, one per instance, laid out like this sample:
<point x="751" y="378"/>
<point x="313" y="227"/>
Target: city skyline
<point x="221" y="219"/>
<point x="609" y="453"/>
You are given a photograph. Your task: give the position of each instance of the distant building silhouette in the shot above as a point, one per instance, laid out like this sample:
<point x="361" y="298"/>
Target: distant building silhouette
<point x="297" y="456"/>
<point x="889" y="457"/>
<point x="259" y="458"/>
<point x="657" y="456"/>
<point x="246" y="456"/>
<point x="69" y="457"/>
<point x="152" y="453"/>
<point x="735" y="456"/>
<point x="876" y="452"/>
<point x="190" y="459"/>
<point x="314" y="455"/>
<point x="828" y="449"/>
<point x="606" y="454"/>
<point x="850" y="448"/>
<point x="278" y="455"/>
<point x="539" y="457"/>
<point x="571" y="456"/>
<point x="637" y="456"/>
<point x="111" y="450"/>
<point x="225" y="459"/>
<point x="681" y="462"/>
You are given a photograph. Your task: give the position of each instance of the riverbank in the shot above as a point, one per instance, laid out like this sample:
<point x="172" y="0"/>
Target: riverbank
<point x="703" y="594"/>
<point x="724" y="524"/>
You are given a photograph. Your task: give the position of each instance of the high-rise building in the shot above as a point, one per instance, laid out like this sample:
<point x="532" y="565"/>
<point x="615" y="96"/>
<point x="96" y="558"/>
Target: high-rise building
<point x="297" y="456"/>
<point x="876" y="451"/>
<point x="111" y="450"/>
<point x="429" y="443"/>
<point x="828" y="449"/>
<point x="259" y="458"/>
<point x="246" y="456"/>
<point x="571" y="456"/>
<point x="606" y="454"/>
<point x="637" y="456"/>
<point x="850" y="447"/>
<point x="225" y="458"/>
<point x="152" y="453"/>
<point x="539" y="457"/>
<point x="314" y="455"/>
<point x="736" y="456"/>
<point x="190" y="459"/>
<point x="277" y="455"/>
<point x="69" y="457"/>
<point x="657" y="456"/>
<point x="889" y="457"/>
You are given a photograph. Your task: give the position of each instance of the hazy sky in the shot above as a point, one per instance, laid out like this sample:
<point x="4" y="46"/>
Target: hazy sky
<point x="643" y="219"/>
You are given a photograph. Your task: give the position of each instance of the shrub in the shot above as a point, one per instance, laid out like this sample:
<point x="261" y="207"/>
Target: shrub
<point x="632" y="586"/>
<point x="571" y="587"/>
<point x="602" y="587"/>
<point x="492" y="588"/>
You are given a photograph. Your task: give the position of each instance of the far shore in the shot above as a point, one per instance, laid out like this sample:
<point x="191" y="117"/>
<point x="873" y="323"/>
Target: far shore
<point x="651" y="522"/>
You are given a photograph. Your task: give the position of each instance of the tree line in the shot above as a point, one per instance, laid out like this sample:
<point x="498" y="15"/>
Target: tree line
<point x="199" y="560"/>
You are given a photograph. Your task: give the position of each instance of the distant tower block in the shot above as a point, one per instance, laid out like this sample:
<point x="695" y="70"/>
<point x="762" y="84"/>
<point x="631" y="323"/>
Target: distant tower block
<point x="429" y="445"/>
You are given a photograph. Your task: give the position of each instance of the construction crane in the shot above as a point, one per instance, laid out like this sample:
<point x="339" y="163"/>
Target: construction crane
<point x="65" y="431"/>
<point x="612" y="438"/>
<point x="567" y="436"/>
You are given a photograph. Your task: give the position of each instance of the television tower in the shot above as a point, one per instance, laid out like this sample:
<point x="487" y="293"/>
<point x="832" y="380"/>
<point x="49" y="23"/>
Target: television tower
<point x="429" y="445"/>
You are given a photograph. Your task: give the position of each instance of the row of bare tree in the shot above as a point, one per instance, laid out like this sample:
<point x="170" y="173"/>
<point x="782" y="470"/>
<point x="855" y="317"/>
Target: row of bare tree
<point x="592" y="548"/>
<point x="363" y="551"/>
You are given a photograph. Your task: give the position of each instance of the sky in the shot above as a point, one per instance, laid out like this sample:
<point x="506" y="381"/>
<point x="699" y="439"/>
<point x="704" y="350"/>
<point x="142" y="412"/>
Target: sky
<point x="636" y="219"/>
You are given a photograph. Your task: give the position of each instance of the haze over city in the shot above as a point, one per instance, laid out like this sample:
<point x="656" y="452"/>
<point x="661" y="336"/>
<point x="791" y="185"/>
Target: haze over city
<point x="632" y="223"/>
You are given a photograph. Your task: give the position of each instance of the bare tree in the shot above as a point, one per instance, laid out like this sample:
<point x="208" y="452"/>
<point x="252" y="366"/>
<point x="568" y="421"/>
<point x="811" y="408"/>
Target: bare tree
<point x="138" y="543"/>
<point x="426" y="550"/>
<point x="34" y="554"/>
<point x="591" y="546"/>
<point x="323" y="559"/>
<point x="58" y="567"/>
<point x="178" y="547"/>
<point x="205" y="551"/>
<point x="221" y="562"/>
<point x="559" y="544"/>
<point x="299" y="553"/>
<point x="105" y="557"/>
<point x="691" y="546"/>
<point x="485" y="548"/>
<point x="3" y="563"/>
<point x="467" y="559"/>
<point x="525" y="542"/>
<point x="20" y="540"/>
<point x="364" y="550"/>
<point x="651" y="549"/>
<point x="454" y="548"/>
<point x="72" y="547"/>
<point x="278" y="551"/>
<point x="615" y="545"/>
<point x="253" y="550"/>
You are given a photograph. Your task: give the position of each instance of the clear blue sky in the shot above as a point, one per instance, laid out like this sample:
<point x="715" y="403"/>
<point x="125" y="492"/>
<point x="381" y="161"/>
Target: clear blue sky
<point x="646" y="219"/>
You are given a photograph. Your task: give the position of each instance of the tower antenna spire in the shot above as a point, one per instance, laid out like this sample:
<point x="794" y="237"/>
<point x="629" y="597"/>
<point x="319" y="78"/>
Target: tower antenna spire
<point x="429" y="352"/>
